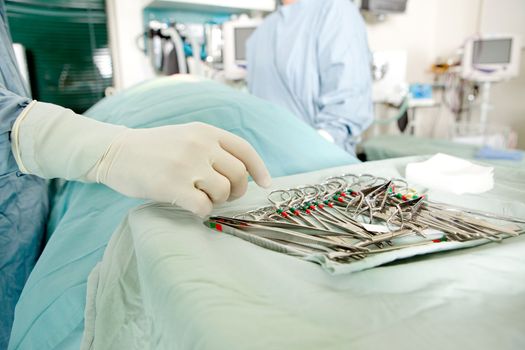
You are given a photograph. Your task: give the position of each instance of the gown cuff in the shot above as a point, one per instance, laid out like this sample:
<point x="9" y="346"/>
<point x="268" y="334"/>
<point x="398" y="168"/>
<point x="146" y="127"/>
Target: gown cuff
<point x="53" y="142"/>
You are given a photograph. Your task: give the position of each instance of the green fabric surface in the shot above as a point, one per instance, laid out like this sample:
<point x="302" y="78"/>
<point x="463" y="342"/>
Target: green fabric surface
<point x="168" y="282"/>
<point x="388" y="146"/>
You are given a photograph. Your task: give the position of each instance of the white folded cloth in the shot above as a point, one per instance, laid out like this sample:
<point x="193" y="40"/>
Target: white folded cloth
<point x="451" y="174"/>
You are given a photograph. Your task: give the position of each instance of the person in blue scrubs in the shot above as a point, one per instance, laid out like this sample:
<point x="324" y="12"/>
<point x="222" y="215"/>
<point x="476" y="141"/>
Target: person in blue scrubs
<point x="192" y="165"/>
<point x="23" y="198"/>
<point x="312" y="57"/>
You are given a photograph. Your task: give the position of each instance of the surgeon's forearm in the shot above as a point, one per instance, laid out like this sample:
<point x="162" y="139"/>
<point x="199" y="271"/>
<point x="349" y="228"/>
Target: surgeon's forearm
<point x="339" y="129"/>
<point x="192" y="165"/>
<point x="53" y="142"/>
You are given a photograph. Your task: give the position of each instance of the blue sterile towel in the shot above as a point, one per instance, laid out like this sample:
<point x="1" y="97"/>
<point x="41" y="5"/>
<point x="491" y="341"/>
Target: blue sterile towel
<point x="492" y="153"/>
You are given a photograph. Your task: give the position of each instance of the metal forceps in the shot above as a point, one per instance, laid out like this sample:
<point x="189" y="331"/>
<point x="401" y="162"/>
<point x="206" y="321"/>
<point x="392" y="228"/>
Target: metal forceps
<point x="348" y="217"/>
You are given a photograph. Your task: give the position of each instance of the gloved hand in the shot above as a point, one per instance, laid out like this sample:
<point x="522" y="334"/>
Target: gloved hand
<point x="326" y="135"/>
<point x="192" y="165"/>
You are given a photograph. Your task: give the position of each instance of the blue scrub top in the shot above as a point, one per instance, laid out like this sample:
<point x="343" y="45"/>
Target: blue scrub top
<point x="312" y="57"/>
<point x="23" y="198"/>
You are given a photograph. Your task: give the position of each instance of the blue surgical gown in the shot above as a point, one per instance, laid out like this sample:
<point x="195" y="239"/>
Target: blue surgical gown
<point x="23" y="198"/>
<point x="312" y="57"/>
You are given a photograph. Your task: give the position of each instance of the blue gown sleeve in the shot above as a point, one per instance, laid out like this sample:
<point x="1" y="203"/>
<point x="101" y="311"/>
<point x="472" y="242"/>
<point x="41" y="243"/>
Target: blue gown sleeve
<point x="12" y="95"/>
<point x="23" y="199"/>
<point x="11" y="105"/>
<point x="345" y="94"/>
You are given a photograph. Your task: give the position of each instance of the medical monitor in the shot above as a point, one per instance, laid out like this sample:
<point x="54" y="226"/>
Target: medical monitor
<point x="491" y="51"/>
<point x="491" y="58"/>
<point x="384" y="6"/>
<point x="235" y="35"/>
<point x="241" y="36"/>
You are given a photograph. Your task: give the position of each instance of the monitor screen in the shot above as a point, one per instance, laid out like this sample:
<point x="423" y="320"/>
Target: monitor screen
<point x="241" y="36"/>
<point x="491" y="51"/>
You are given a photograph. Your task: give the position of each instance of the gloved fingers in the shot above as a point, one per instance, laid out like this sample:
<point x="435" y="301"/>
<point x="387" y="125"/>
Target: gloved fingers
<point x="195" y="201"/>
<point x="235" y="171"/>
<point x="215" y="185"/>
<point x="243" y="151"/>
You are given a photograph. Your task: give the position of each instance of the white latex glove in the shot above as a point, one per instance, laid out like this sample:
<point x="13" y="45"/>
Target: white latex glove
<point x="192" y="165"/>
<point x="326" y="135"/>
